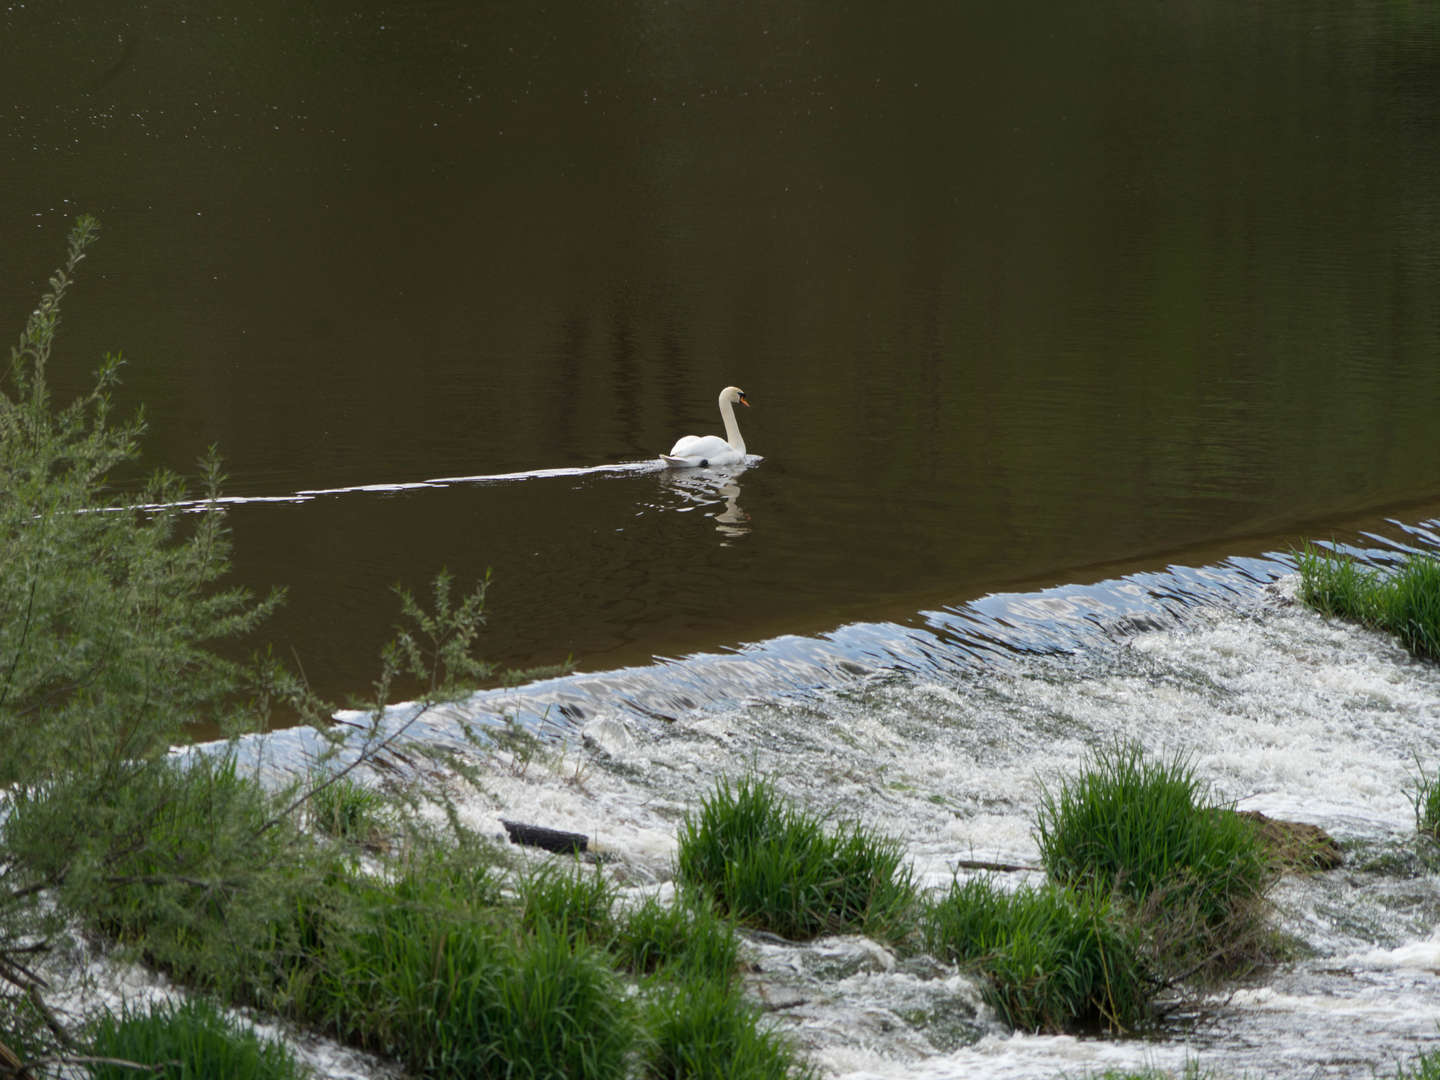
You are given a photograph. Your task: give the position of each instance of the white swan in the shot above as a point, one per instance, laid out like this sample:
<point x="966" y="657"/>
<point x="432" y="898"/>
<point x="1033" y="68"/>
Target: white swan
<point x="700" y="451"/>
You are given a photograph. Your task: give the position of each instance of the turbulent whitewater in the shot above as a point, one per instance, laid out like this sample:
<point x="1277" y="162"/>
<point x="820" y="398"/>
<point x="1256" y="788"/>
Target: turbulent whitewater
<point x="943" y="733"/>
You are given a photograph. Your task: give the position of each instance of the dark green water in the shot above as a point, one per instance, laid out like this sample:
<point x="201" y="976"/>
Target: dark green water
<point x="1015" y="293"/>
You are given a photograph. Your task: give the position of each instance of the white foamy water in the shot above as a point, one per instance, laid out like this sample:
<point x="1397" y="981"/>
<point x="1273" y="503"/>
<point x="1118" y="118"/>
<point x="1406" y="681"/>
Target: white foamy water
<point x="947" y="742"/>
<point x="1280" y="710"/>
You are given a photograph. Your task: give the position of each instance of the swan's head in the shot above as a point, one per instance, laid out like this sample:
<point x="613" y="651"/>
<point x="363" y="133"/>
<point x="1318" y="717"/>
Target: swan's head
<point x="732" y="394"/>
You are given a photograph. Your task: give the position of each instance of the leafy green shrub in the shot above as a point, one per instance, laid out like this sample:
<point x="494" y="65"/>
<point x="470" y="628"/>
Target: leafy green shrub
<point x="1194" y="871"/>
<point x="1052" y="956"/>
<point x="110" y="608"/>
<point x="164" y="858"/>
<point x="702" y="1029"/>
<point x="106" y="618"/>
<point x="777" y="868"/>
<point x="685" y="937"/>
<point x="193" y="1040"/>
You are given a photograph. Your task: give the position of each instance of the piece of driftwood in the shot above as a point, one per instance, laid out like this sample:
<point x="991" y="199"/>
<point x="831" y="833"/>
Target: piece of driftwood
<point x="550" y="839"/>
<point x="999" y="867"/>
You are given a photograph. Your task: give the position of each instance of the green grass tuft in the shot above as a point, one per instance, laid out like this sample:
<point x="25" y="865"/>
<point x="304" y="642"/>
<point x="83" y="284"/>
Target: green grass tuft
<point x="1425" y="1067"/>
<point x="572" y="902"/>
<point x="560" y="1011"/>
<point x="1194" y="871"/>
<point x="1335" y="585"/>
<point x="1190" y="1071"/>
<point x="178" y="893"/>
<point x="777" y="868"/>
<point x="444" y="974"/>
<point x="350" y="811"/>
<point x="1053" y="957"/>
<point x="1413" y="608"/>
<point x="1405" y="603"/>
<point x="1425" y="797"/>
<point x="189" y="1040"/>
<point x="705" y="1030"/>
<point x="685" y="936"/>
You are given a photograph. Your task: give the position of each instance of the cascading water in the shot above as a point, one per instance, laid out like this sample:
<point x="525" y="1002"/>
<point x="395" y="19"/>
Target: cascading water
<point x="945" y="734"/>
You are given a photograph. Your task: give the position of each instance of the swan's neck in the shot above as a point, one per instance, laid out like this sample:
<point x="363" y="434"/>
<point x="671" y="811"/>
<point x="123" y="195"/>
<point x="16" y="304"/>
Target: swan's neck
<point x="732" y="429"/>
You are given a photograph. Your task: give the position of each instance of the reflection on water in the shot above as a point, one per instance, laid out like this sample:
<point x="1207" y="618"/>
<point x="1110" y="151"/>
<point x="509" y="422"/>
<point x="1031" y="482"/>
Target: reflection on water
<point x="732" y="521"/>
<point x="706" y="487"/>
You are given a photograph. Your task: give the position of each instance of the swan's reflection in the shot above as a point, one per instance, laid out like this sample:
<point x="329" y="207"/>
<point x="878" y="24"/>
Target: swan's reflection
<point x="709" y="487"/>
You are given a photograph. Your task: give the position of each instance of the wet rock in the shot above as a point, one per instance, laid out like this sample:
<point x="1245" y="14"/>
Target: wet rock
<point x="1296" y="846"/>
<point x="609" y="736"/>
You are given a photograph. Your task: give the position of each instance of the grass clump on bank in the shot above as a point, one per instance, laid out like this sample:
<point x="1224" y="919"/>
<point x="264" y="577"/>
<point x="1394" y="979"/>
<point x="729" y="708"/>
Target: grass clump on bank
<point x="686" y="938"/>
<point x="704" y="1030"/>
<point x="192" y="1039"/>
<point x="1149" y="884"/>
<point x="1053" y="957"/>
<point x="1405" y="602"/>
<point x="775" y="867"/>
<point x="1193" y="872"/>
<point x="350" y="811"/>
<point x="1425" y="798"/>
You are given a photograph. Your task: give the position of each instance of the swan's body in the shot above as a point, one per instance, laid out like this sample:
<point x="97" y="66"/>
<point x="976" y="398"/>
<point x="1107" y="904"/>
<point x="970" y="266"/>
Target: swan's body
<point x="703" y="451"/>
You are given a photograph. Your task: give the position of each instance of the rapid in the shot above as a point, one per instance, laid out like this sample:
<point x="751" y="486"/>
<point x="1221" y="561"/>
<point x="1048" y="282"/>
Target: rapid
<point x="945" y="735"/>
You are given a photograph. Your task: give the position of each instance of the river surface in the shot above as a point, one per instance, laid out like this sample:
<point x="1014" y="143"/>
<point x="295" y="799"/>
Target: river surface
<point x="1021" y="295"/>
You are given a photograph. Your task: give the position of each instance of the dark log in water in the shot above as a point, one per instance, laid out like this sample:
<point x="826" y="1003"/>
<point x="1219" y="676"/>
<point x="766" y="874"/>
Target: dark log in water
<point x="550" y="839"/>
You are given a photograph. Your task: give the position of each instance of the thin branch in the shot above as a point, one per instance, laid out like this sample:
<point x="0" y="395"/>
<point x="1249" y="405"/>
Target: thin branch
<point x="51" y="1020"/>
<point x="88" y="1059"/>
<point x="175" y="879"/>
<point x="17" y="974"/>
<point x="366" y="755"/>
<point x="20" y="648"/>
<point x="11" y="1065"/>
<point x="1004" y="868"/>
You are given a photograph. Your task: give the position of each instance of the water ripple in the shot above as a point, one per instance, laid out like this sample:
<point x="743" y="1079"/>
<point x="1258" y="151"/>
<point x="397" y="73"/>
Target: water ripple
<point x="988" y="633"/>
